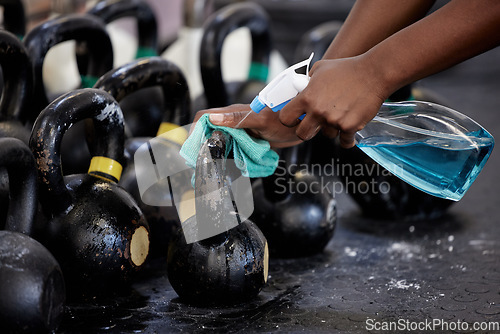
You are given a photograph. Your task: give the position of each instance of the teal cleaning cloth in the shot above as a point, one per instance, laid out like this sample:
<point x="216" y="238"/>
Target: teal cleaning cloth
<point x="252" y="156"/>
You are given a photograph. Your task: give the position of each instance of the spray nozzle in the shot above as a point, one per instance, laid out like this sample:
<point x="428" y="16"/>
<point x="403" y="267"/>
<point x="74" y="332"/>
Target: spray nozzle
<point x="284" y="87"/>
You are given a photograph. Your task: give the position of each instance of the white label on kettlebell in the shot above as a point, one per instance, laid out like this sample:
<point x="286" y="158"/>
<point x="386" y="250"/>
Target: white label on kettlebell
<point x="139" y="246"/>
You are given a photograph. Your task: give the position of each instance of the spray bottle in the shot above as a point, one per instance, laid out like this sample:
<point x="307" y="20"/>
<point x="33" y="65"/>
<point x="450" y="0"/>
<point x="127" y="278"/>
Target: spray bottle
<point x="433" y="148"/>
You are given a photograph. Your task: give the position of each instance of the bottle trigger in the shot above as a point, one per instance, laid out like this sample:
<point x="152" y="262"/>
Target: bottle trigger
<point x="300" y="82"/>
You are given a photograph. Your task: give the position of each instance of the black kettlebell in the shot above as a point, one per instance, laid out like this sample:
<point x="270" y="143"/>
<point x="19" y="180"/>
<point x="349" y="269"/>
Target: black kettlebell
<point x="142" y="110"/>
<point x="14" y="104"/>
<point x="147" y="31"/>
<point x="14" y="17"/>
<point x="31" y="281"/>
<point x="292" y="208"/>
<point x="14" y="20"/>
<point x="379" y="193"/>
<point x="131" y="78"/>
<point x="17" y="90"/>
<point x="227" y="268"/>
<point x="146" y="73"/>
<point x="95" y="229"/>
<point x="79" y="27"/>
<point x="216" y="28"/>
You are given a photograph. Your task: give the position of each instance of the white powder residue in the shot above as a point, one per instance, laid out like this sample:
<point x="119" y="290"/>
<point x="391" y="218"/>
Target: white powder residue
<point x="401" y="284"/>
<point x="352" y="252"/>
<point x="106" y="112"/>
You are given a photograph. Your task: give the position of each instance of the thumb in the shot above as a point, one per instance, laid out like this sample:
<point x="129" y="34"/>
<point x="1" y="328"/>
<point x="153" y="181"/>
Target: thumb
<point x="230" y="119"/>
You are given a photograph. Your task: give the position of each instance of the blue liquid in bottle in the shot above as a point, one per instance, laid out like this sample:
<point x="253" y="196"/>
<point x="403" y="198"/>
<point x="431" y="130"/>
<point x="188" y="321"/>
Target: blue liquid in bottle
<point x="442" y="163"/>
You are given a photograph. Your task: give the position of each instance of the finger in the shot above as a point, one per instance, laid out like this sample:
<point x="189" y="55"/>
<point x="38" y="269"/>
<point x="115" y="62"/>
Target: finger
<point x="289" y="115"/>
<point x="285" y="144"/>
<point x="308" y="128"/>
<point x="330" y="131"/>
<point x="235" y="108"/>
<point x="347" y="139"/>
<point x="231" y="119"/>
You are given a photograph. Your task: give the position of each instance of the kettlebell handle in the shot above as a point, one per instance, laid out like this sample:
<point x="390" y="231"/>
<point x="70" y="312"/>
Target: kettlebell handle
<point x="14" y="17"/>
<point x="17" y="76"/>
<point x="213" y="199"/>
<point x="80" y="27"/>
<point x="111" y="10"/>
<point x="216" y="29"/>
<point x="18" y="160"/>
<point x="48" y="132"/>
<point x="144" y="73"/>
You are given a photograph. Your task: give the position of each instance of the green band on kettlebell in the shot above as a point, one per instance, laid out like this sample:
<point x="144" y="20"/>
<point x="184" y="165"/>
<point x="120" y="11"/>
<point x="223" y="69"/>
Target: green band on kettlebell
<point x="145" y="52"/>
<point x="20" y="37"/>
<point x="88" y="81"/>
<point x="258" y="71"/>
<point x="106" y="168"/>
<point x="172" y="132"/>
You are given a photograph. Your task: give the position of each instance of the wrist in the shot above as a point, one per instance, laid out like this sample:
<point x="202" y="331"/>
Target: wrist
<point x="386" y="74"/>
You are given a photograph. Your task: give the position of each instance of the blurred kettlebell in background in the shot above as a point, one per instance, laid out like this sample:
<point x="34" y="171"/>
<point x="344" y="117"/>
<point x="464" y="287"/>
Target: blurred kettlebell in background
<point x="15" y="102"/>
<point x="78" y="27"/>
<point x="184" y="50"/>
<point x="147" y="30"/>
<point x="218" y="26"/>
<point x="14" y="21"/>
<point x="31" y="282"/>
<point x="17" y="93"/>
<point x="14" y="17"/>
<point x="143" y="110"/>
<point x="95" y="229"/>
<point x="82" y="28"/>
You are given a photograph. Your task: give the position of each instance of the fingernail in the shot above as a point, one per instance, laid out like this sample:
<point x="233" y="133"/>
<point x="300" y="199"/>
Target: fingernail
<point x="216" y="118"/>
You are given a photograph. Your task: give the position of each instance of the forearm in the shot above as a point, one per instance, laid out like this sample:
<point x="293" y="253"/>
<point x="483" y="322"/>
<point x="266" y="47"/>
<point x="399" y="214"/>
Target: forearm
<point x="371" y="21"/>
<point x="458" y="31"/>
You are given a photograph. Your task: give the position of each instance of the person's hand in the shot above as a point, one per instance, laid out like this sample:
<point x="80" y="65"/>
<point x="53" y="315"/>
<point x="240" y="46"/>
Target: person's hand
<point x="342" y="96"/>
<point x="265" y="125"/>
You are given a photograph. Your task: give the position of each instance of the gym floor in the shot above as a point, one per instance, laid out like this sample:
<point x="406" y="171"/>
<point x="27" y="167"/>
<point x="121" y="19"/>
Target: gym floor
<point x="372" y="274"/>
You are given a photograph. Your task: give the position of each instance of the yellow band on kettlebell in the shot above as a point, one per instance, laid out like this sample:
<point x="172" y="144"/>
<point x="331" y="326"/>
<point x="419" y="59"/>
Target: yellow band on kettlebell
<point x="172" y="132"/>
<point x="104" y="166"/>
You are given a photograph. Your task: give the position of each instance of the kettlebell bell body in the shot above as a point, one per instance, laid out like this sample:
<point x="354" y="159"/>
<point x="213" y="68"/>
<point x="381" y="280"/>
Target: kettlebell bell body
<point x="96" y="230"/>
<point x="294" y="212"/>
<point x="31" y="282"/>
<point x="227" y="268"/>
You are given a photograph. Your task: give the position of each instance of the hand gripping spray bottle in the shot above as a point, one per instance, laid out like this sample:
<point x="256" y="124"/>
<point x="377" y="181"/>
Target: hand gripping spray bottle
<point x="433" y="148"/>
